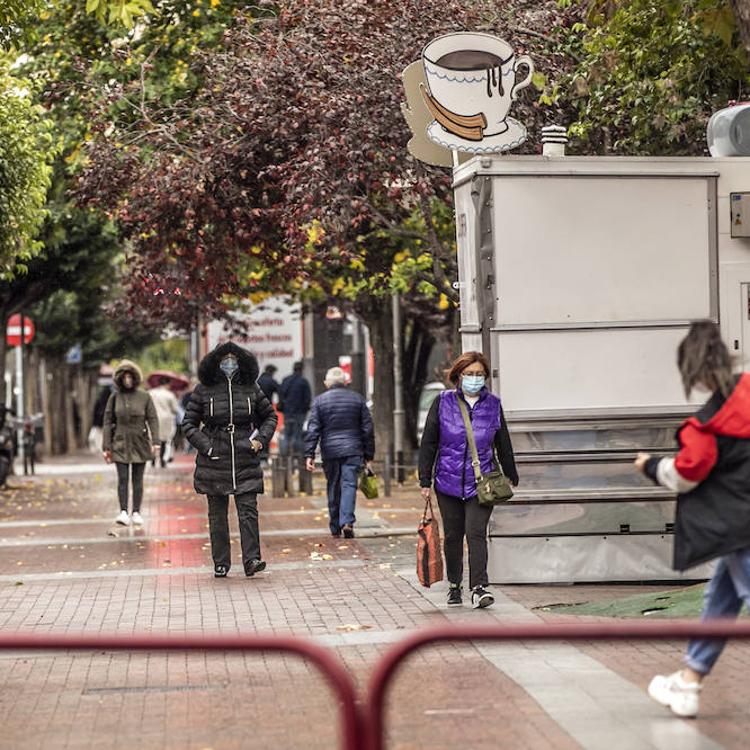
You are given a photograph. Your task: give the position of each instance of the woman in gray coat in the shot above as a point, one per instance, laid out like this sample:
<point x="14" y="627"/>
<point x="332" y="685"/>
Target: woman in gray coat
<point x="229" y="421"/>
<point x="130" y="436"/>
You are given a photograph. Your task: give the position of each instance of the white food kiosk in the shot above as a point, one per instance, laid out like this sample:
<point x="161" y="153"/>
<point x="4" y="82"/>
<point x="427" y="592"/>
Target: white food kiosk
<point x="578" y="278"/>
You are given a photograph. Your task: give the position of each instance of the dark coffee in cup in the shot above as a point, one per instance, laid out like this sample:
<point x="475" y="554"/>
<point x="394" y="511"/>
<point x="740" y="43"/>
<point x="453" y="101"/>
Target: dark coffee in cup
<point x="469" y="59"/>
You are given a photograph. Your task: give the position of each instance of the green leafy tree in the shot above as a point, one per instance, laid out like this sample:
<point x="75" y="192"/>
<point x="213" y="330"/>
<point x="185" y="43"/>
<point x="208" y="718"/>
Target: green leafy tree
<point x="651" y="73"/>
<point x="26" y="146"/>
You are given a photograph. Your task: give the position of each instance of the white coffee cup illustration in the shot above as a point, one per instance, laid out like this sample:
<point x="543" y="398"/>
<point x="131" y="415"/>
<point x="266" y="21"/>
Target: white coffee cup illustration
<point x="472" y="83"/>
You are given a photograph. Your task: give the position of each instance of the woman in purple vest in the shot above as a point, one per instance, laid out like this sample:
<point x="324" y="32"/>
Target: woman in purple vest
<point x="445" y="450"/>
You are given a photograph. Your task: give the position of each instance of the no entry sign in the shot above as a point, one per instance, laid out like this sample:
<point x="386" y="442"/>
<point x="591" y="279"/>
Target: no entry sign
<point x="13" y="332"/>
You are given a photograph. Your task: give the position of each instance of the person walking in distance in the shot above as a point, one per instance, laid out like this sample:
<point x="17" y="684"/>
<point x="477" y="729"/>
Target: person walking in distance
<point x="268" y="383"/>
<point x="295" y="396"/>
<point x="711" y="475"/>
<point x="270" y="387"/>
<point x="229" y="421"/>
<point x="130" y="437"/>
<point x="444" y="453"/>
<point x="167" y="408"/>
<point x="341" y="422"/>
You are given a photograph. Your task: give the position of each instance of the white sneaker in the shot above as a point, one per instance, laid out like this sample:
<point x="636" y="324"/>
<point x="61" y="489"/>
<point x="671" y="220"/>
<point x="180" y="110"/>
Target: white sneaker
<point x="672" y="691"/>
<point x="137" y="519"/>
<point x="123" y="518"/>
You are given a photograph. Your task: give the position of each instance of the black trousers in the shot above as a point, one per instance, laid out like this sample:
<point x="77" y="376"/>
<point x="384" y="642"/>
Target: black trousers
<point x="122" y="485"/>
<point x="464" y="518"/>
<point x="218" y="522"/>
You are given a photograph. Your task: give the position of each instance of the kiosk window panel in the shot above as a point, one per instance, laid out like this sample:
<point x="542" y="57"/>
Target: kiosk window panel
<point x="610" y="249"/>
<point x="597" y="369"/>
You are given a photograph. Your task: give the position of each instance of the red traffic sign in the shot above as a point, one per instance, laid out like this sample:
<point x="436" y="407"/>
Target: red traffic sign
<point x="13" y="332"/>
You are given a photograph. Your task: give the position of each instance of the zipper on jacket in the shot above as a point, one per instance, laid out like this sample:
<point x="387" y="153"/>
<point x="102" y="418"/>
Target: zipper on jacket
<point x="230" y="429"/>
<point x="211" y="406"/>
<point x="249" y="407"/>
<point x="466" y="451"/>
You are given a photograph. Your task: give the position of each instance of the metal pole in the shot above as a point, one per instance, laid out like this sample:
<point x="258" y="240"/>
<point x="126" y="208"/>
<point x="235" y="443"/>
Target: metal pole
<point x="20" y="395"/>
<point x="398" y="390"/>
<point x="194" y="353"/>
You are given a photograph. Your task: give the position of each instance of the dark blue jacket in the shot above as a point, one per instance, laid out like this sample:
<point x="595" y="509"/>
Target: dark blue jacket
<point x="342" y="423"/>
<point x="294" y="395"/>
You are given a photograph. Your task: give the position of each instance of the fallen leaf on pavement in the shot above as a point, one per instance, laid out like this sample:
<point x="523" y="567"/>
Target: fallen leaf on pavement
<point x="352" y="627"/>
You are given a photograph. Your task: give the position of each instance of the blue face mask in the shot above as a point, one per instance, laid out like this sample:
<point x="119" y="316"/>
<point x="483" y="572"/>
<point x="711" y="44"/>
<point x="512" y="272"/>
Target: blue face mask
<point x="472" y="384"/>
<point x="229" y="366"/>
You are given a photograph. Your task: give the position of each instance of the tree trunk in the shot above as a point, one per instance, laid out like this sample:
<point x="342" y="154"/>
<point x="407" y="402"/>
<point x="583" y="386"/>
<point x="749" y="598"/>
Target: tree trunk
<point x="46" y="406"/>
<point x="70" y="435"/>
<point x="3" y="356"/>
<point x="419" y="343"/>
<point x="58" y="402"/>
<point x="742" y="15"/>
<point x="87" y="396"/>
<point x="377" y="316"/>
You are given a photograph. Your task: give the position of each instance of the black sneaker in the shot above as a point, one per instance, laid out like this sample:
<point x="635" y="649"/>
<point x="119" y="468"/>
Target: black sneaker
<point x="337" y="533"/>
<point x="220" y="571"/>
<point x="348" y="531"/>
<point x="481" y="598"/>
<point x="454" y="596"/>
<point x="253" y="567"/>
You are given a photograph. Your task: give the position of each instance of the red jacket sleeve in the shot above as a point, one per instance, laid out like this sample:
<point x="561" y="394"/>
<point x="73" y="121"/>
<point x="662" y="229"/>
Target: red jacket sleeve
<point x="698" y="453"/>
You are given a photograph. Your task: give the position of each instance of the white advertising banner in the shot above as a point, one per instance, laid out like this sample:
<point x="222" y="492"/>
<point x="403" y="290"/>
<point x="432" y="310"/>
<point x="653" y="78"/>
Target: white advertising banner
<point x="273" y="333"/>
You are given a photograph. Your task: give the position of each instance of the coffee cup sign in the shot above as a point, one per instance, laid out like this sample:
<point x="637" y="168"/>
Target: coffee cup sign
<point x="471" y="81"/>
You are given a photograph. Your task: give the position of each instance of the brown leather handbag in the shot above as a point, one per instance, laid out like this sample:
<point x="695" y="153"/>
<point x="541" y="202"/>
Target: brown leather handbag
<point x="429" y="555"/>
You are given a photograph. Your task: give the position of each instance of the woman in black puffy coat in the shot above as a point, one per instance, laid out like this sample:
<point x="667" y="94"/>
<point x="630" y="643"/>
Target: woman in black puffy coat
<point x="229" y="421"/>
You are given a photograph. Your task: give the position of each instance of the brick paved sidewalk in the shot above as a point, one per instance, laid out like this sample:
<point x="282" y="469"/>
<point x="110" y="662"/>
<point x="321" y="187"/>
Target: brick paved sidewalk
<point x="62" y="570"/>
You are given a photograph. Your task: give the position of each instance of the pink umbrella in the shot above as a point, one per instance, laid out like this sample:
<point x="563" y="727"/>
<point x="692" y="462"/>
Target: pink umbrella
<point x="177" y="382"/>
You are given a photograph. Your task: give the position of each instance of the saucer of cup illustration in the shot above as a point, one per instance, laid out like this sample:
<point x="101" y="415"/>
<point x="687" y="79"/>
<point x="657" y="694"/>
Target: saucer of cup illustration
<point x="472" y="81"/>
<point x="513" y="137"/>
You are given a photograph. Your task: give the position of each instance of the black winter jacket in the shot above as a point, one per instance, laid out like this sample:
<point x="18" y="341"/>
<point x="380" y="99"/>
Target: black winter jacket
<point x="219" y="420"/>
<point x="342" y="423"/>
<point x="711" y="474"/>
<point x="294" y="395"/>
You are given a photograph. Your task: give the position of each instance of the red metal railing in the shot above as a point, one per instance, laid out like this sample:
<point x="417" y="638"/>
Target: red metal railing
<point x="388" y="664"/>
<point x="367" y="732"/>
<point x="333" y="670"/>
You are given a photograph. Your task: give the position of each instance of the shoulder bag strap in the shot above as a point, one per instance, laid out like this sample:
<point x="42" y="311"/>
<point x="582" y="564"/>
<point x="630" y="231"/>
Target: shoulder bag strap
<point x="427" y="505"/>
<point x="473" y="445"/>
<point x="470" y="437"/>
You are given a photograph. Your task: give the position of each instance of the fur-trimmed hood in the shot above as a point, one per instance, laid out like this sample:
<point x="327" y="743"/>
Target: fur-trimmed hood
<point x="127" y="365"/>
<point x="209" y="373"/>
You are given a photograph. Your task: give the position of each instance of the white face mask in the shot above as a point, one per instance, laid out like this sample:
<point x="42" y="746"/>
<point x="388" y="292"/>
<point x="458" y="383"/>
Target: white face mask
<point x="229" y="365"/>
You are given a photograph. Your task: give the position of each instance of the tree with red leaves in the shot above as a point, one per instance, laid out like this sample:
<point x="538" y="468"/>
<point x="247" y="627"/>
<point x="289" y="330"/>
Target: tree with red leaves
<point x="287" y="170"/>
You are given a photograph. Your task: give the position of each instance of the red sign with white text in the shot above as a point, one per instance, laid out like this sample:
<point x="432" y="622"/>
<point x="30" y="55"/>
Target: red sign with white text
<point x="13" y="332"/>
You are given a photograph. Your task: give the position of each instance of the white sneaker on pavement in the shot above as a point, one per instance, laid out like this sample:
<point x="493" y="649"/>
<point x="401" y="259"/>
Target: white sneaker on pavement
<point x="678" y="695"/>
<point x="137" y="519"/>
<point x="123" y="518"/>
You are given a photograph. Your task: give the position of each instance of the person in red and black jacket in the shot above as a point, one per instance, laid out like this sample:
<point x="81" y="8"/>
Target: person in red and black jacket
<point x="711" y="476"/>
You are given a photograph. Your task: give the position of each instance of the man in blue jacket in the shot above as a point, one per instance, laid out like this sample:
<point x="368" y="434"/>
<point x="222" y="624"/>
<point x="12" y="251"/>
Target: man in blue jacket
<point x="342" y="423"/>
<point x="294" y="402"/>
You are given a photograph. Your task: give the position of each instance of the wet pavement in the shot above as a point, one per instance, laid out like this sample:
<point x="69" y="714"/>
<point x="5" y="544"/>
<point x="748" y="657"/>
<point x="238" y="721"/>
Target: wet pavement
<point x="65" y="567"/>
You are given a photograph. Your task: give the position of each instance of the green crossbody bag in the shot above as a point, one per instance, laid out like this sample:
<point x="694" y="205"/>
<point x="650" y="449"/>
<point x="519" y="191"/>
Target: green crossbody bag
<point x="492" y="488"/>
